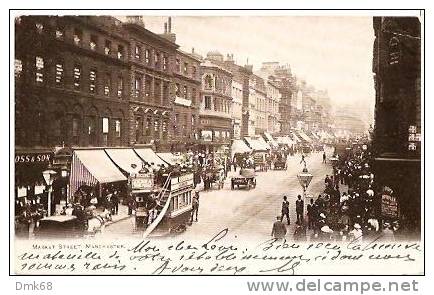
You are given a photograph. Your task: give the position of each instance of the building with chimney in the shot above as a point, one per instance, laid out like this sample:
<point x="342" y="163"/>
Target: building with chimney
<point x="152" y="64"/>
<point x="398" y="127"/>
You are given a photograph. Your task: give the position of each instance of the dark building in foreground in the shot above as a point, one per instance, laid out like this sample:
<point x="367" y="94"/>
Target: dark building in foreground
<point x="397" y="134"/>
<point x="71" y="89"/>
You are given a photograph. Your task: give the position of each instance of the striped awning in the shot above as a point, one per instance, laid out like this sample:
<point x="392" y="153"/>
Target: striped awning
<point x="90" y="167"/>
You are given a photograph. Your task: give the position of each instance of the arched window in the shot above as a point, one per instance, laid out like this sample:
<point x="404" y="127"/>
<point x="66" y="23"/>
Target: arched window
<point x="394" y="51"/>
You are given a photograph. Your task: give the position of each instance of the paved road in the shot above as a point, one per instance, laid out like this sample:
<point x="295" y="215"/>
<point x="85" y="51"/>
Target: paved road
<point x="253" y="212"/>
<point x="246" y="213"/>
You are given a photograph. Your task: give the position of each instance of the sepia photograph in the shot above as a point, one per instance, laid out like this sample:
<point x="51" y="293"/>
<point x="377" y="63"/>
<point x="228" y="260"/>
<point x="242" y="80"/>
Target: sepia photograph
<point x="169" y="143"/>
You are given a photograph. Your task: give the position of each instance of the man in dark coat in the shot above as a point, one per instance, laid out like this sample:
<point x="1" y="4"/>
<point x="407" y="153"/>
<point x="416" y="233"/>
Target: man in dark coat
<point x="299" y="209"/>
<point x="312" y="212"/>
<point x="285" y="210"/>
<point x="279" y="229"/>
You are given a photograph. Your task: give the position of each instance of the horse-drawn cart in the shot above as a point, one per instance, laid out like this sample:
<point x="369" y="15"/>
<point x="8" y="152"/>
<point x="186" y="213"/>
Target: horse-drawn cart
<point x="246" y="179"/>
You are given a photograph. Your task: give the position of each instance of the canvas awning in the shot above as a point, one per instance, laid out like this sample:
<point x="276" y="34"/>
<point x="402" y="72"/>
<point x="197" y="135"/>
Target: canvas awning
<point x="285" y="140"/>
<point x="88" y="167"/>
<point x="126" y="159"/>
<point x="271" y="140"/>
<point x="148" y="155"/>
<point x="99" y="165"/>
<point x="239" y="147"/>
<point x="170" y="158"/>
<point x="264" y="143"/>
<point x="255" y="144"/>
<point x="295" y="138"/>
<point x="304" y="136"/>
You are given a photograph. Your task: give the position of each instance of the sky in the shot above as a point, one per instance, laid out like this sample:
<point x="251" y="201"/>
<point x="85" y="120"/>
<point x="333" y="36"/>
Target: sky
<point x="329" y="52"/>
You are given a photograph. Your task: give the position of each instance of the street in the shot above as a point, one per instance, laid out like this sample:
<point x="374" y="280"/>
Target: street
<point x="248" y="213"/>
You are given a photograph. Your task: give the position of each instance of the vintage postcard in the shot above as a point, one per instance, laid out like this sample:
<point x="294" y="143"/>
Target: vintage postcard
<point x="205" y="144"/>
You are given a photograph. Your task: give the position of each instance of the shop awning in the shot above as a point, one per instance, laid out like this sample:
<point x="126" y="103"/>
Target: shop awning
<point x="239" y="147"/>
<point x="148" y="155"/>
<point x="99" y="165"/>
<point x="88" y="167"/>
<point x="264" y="143"/>
<point x="271" y="141"/>
<point x="255" y="144"/>
<point x="126" y="159"/>
<point x="304" y="136"/>
<point x="285" y="140"/>
<point x="295" y="138"/>
<point x="170" y="158"/>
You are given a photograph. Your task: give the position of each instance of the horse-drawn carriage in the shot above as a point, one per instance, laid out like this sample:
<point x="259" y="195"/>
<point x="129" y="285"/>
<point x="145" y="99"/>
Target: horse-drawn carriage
<point x="260" y="162"/>
<point x="246" y="178"/>
<point x="279" y="164"/>
<point x="214" y="176"/>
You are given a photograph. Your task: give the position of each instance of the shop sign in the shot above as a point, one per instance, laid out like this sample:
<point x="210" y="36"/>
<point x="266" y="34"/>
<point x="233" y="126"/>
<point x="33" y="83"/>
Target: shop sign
<point x="142" y="182"/>
<point x="182" y="181"/>
<point x="389" y="206"/>
<point x="32" y="158"/>
<point x="206" y="135"/>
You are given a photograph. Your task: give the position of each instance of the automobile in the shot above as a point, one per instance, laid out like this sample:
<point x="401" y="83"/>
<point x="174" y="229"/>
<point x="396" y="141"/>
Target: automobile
<point x="246" y="178"/>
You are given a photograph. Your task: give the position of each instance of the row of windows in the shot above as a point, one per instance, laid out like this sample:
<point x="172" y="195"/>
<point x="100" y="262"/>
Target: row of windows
<point x="185" y="92"/>
<point x="59" y="127"/>
<point x="187" y="69"/>
<point x="77" y="76"/>
<point x="150" y="57"/>
<point x="156" y="128"/>
<point x="94" y="42"/>
<point x="216" y="104"/>
<point x="147" y="86"/>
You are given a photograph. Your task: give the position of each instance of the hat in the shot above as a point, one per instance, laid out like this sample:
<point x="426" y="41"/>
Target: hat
<point x="356" y="225"/>
<point x="322" y="215"/>
<point x="326" y="229"/>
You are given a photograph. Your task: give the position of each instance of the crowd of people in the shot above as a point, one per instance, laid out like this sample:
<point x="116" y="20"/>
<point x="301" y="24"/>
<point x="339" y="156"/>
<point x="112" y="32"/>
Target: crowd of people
<point x="346" y="210"/>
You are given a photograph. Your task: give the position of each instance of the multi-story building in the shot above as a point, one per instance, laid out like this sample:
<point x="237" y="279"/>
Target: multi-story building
<point x="240" y="79"/>
<point x="273" y="102"/>
<point x="187" y="80"/>
<point x="71" y="89"/>
<point x="397" y="133"/>
<point x="237" y="108"/>
<point x="282" y="77"/>
<point x="257" y="106"/>
<point x="215" y="107"/>
<point x="152" y="63"/>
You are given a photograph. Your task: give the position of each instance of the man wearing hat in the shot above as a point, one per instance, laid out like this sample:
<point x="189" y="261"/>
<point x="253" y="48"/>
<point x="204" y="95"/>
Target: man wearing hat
<point x="279" y="229"/>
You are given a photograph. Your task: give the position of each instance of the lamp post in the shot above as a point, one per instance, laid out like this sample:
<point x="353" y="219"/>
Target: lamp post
<point x="49" y="178"/>
<point x="304" y="178"/>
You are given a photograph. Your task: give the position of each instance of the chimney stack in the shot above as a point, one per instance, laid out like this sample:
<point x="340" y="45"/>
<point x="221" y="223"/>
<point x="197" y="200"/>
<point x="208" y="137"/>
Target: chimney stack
<point x="192" y="50"/>
<point x="165" y="28"/>
<point x="170" y="24"/>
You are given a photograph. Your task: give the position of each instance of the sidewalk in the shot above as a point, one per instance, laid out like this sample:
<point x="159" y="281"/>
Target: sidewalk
<point x="122" y="215"/>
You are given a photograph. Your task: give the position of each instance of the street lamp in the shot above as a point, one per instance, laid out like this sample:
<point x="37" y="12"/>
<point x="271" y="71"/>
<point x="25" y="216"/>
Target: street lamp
<point x="304" y="178"/>
<point x="49" y="178"/>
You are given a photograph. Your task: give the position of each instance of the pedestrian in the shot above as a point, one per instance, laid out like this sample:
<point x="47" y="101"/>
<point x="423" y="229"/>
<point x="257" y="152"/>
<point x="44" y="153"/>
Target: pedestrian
<point x="311" y="214"/>
<point x="195" y="205"/>
<point x="115" y="203"/>
<point x="324" y="157"/>
<point x="279" y="229"/>
<point x="303" y="159"/>
<point x="285" y="210"/>
<point x="299" y="209"/>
